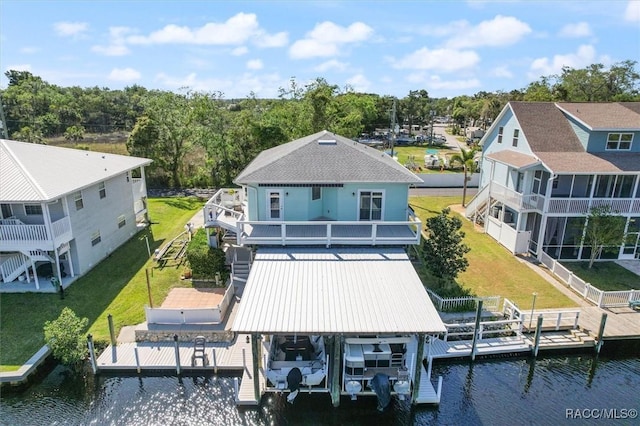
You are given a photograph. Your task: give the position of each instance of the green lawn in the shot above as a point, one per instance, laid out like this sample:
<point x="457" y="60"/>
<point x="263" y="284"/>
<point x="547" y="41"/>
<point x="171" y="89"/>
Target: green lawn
<point x="404" y="153"/>
<point x="116" y="286"/>
<point x="494" y="271"/>
<point x="606" y="276"/>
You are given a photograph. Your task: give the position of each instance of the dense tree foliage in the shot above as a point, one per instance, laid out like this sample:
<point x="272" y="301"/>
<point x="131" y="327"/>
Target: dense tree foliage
<point x="443" y="249"/>
<point x="202" y="139"/>
<point x="65" y="338"/>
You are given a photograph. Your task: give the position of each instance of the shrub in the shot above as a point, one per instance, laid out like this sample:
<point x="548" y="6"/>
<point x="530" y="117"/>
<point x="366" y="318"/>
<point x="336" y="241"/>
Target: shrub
<point x="205" y="261"/>
<point x="65" y="337"/>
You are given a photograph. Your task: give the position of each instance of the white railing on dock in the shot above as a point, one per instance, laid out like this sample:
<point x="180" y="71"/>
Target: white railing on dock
<point x="468" y="303"/>
<point x="485" y="328"/>
<point x="556" y="319"/>
<point x="600" y="298"/>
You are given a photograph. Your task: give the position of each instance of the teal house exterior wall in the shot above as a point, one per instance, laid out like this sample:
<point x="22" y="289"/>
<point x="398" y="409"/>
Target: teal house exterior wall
<point x="336" y="203"/>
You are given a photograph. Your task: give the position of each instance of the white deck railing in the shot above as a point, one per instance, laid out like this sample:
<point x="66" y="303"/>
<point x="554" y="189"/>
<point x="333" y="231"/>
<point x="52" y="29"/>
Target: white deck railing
<point x="584" y="205"/>
<point x="556" y="319"/>
<point x="485" y="328"/>
<point x="515" y="241"/>
<point x="600" y="298"/>
<point x="18" y="234"/>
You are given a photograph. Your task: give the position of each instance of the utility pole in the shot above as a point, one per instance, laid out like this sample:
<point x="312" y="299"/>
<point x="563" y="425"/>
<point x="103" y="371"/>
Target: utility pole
<point x="394" y="126"/>
<point x="5" y="132"/>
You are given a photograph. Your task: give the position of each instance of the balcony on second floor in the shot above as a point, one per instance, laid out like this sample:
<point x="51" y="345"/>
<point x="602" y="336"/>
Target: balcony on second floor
<point x="16" y="235"/>
<point x="227" y="209"/>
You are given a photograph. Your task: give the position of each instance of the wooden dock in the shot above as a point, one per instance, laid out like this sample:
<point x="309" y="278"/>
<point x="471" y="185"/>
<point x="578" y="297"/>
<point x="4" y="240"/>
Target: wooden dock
<point x="622" y="323"/>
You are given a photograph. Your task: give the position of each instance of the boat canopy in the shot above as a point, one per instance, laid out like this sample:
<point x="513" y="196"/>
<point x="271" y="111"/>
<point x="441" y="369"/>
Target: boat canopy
<point x="350" y="291"/>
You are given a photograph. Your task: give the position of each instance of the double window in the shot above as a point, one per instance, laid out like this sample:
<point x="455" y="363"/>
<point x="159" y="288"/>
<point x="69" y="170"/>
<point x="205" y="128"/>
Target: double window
<point x="122" y="221"/>
<point x="516" y="134"/>
<point x="102" y="190"/>
<point x="500" y="131"/>
<point x="619" y="141"/>
<point x="316" y="193"/>
<point x="33" y="209"/>
<point x="95" y="238"/>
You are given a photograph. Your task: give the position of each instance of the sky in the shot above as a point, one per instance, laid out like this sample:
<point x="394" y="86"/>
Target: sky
<point x="244" y="48"/>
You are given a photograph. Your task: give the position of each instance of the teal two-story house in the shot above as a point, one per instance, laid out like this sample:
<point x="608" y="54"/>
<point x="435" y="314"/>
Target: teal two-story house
<point x="328" y="282"/>
<point x="546" y="165"/>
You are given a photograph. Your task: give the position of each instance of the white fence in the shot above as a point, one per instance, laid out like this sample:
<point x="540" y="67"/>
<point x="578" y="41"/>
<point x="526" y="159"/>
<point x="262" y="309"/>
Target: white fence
<point x="602" y="299"/>
<point x="468" y="303"/>
<point x="179" y="316"/>
<point x="447" y="180"/>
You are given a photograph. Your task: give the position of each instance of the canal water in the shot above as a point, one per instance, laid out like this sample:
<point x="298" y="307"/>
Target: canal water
<point x="547" y="391"/>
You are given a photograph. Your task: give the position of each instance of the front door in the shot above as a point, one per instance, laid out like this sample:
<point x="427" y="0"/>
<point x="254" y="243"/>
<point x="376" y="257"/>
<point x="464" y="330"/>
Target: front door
<point x="275" y="204"/>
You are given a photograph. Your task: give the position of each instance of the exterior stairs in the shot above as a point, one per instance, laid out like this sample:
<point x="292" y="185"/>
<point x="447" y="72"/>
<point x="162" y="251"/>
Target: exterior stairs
<point x="13" y="266"/>
<point x="240" y="268"/>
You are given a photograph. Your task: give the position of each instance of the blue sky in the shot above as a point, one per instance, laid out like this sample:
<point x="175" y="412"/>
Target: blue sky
<point x="448" y="48"/>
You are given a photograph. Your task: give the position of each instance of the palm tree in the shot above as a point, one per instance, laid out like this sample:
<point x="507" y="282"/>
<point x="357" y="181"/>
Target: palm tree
<point x="466" y="160"/>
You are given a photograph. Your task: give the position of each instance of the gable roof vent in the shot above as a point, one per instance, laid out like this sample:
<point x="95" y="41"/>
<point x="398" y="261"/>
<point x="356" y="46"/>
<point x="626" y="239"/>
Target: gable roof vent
<point x="326" y="142"/>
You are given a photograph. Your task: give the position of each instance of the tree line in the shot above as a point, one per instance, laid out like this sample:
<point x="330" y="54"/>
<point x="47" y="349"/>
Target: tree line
<point x="201" y="139"/>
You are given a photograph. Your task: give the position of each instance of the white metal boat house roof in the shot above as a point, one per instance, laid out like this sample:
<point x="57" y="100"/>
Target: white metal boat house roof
<point x="336" y="291"/>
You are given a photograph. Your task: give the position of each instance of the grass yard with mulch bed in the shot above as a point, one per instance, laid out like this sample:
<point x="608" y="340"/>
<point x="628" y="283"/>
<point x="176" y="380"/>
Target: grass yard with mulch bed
<point x="116" y="286"/>
<point x="493" y="270"/>
<point x="606" y="276"/>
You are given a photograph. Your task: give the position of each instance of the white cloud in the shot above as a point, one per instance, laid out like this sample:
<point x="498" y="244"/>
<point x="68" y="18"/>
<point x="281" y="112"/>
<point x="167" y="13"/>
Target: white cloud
<point x="67" y="29"/>
<point x="112" y="50"/>
<point x="632" y="12"/>
<point x="327" y="38"/>
<point x="359" y="83"/>
<point x="332" y="64"/>
<point x="236" y="87"/>
<point x="239" y="51"/>
<point x="276" y="40"/>
<point x="237" y="30"/>
<point x="116" y="45"/>
<point x="29" y="50"/>
<point x="18" y="67"/>
<point x="500" y="31"/>
<point x="580" y="29"/>
<point x="502" y="72"/>
<point x="437" y="59"/>
<point x="436" y="83"/>
<point x="255" y="64"/>
<point x="124" y="74"/>
<point x="585" y="55"/>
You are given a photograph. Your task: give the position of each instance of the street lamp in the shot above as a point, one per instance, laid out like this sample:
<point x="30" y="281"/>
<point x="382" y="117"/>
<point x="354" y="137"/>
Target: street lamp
<point x="432" y="114"/>
<point x="533" y="305"/>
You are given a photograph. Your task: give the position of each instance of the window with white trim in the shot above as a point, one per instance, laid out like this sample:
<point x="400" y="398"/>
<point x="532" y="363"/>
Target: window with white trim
<point x="516" y="134"/>
<point x="77" y="199"/>
<point x="122" y="221"/>
<point x="500" y="131"/>
<point x="371" y="205"/>
<point x="95" y="238"/>
<point x="619" y="141"/>
<point x="102" y="190"/>
<point x="33" y="209"/>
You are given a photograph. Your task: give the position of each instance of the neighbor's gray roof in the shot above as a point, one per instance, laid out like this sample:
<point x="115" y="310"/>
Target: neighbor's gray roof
<point x="604" y="115"/>
<point x="330" y="291"/>
<point x="306" y="160"/>
<point x="589" y="163"/>
<point x="554" y="142"/>
<point x="34" y="172"/>
<point x="514" y="158"/>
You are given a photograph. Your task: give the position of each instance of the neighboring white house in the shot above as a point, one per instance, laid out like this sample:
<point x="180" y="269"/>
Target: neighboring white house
<point x="546" y="165"/>
<point x="64" y="208"/>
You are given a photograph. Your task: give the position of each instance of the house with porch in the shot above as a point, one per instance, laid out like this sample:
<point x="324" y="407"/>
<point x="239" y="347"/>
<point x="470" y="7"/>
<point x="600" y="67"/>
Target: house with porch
<point x="329" y="282"/>
<point x="546" y="165"/>
<point x="63" y="210"/>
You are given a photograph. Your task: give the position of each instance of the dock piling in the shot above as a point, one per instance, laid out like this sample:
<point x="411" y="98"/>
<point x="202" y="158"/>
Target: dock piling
<point x="112" y="332"/>
<point x="177" y="350"/>
<point x="536" y="346"/>
<point x="135" y="353"/>
<point x="475" y="331"/>
<point x="215" y="361"/>
<point x="92" y="354"/>
<point x="603" y="322"/>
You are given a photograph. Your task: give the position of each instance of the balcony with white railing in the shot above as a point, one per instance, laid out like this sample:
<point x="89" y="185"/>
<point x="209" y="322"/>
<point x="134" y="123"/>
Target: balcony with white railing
<point x="227" y="210"/>
<point x="584" y="205"/>
<point x="15" y="235"/>
<point x="515" y="199"/>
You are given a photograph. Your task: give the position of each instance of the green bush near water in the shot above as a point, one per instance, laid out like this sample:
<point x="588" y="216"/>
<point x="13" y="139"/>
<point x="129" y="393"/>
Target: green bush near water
<point x="205" y="262"/>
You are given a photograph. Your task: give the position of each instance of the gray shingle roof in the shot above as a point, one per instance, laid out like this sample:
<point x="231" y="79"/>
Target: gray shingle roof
<point x="33" y="172"/>
<point x="604" y="115"/>
<point x="545" y="127"/>
<point x="514" y="158"/>
<point x="589" y="163"/>
<point x="336" y="160"/>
